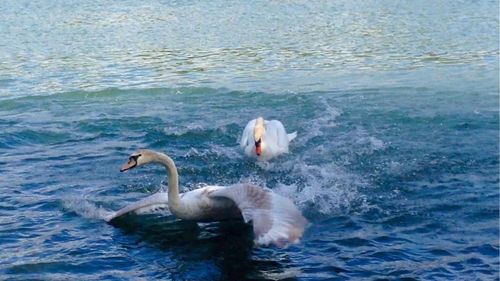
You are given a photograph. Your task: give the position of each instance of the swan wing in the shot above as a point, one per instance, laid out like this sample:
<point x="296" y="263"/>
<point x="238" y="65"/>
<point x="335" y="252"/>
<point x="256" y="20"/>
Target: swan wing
<point x="275" y="218"/>
<point x="276" y="133"/>
<point x="153" y="202"/>
<point x="247" y="135"/>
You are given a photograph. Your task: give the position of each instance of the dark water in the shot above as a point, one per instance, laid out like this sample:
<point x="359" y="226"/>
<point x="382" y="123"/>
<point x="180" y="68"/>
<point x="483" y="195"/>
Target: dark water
<point x="395" y="164"/>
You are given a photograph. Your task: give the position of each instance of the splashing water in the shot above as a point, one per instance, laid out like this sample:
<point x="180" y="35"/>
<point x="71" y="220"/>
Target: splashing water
<point x="395" y="163"/>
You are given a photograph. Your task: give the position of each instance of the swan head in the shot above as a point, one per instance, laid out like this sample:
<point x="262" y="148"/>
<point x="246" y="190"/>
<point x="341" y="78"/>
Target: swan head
<point x="137" y="159"/>
<point x="258" y="133"/>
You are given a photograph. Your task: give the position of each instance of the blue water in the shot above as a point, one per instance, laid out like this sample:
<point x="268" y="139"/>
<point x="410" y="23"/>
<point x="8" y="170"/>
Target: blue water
<point x="396" y="105"/>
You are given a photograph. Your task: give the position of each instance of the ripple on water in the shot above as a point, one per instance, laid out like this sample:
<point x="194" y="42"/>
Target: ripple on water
<point x="421" y="218"/>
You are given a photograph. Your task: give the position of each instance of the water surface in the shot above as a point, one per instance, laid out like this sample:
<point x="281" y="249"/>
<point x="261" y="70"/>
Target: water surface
<point x="395" y="164"/>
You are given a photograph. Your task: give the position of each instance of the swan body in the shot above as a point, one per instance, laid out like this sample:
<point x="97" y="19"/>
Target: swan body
<point x="275" y="219"/>
<point x="265" y="139"/>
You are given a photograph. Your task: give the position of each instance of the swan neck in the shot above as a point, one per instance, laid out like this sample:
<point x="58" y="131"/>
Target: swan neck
<point x="173" y="178"/>
<point x="259" y="129"/>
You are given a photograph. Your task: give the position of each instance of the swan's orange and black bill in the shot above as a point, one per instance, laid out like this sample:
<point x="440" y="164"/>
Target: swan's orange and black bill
<point x="258" y="148"/>
<point x="132" y="162"/>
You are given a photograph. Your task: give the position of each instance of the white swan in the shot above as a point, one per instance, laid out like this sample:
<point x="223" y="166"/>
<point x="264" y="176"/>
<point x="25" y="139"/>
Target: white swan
<point x="275" y="219"/>
<point x="265" y="139"/>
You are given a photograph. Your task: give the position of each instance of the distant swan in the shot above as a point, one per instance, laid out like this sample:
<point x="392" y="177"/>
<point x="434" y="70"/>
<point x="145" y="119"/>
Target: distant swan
<point x="275" y="219"/>
<point x="265" y="139"/>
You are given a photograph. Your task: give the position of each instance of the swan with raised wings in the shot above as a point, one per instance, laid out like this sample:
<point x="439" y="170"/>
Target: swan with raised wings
<point x="275" y="219"/>
<point x="265" y="139"/>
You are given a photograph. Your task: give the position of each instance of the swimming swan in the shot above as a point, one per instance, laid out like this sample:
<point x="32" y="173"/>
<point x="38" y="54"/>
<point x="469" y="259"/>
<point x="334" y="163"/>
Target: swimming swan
<point x="275" y="219"/>
<point x="265" y="139"/>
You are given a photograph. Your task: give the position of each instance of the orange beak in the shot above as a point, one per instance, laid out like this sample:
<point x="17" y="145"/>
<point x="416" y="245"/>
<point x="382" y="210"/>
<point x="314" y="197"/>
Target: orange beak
<point x="258" y="148"/>
<point x="129" y="165"/>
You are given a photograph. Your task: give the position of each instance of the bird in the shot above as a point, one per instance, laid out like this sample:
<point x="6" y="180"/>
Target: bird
<point x="264" y="140"/>
<point x="275" y="219"/>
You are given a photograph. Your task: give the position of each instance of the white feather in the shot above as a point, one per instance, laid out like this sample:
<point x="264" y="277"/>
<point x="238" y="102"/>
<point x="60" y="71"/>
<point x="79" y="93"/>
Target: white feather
<point x="275" y="140"/>
<point x="275" y="219"/>
<point x="157" y="201"/>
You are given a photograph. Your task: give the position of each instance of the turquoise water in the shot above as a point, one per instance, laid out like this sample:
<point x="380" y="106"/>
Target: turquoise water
<point x="395" y="164"/>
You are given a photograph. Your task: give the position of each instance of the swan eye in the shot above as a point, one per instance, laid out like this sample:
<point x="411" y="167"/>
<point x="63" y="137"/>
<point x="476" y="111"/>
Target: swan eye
<point x="134" y="157"/>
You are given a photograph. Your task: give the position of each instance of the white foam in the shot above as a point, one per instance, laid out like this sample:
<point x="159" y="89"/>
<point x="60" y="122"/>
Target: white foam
<point x="233" y="152"/>
<point x="364" y="142"/>
<point x="317" y="126"/>
<point x="183" y="130"/>
<point x="376" y="144"/>
<point x="86" y="209"/>
<point x="288" y="273"/>
<point x="326" y="188"/>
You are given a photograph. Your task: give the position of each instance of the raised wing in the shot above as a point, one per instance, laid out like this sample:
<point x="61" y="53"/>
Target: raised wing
<point x="247" y="133"/>
<point x="151" y="203"/>
<point x="275" y="219"/>
<point x="276" y="131"/>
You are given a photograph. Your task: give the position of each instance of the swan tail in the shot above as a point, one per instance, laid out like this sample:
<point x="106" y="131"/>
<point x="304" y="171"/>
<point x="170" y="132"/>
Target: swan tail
<point x="275" y="219"/>
<point x="291" y="136"/>
<point x="152" y="203"/>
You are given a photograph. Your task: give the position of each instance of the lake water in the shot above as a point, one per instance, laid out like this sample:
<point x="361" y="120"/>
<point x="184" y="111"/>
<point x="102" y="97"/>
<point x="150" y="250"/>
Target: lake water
<point x="396" y="106"/>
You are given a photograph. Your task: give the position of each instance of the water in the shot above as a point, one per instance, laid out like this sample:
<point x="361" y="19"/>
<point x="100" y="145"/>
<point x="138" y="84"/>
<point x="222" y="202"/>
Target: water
<point x="395" y="163"/>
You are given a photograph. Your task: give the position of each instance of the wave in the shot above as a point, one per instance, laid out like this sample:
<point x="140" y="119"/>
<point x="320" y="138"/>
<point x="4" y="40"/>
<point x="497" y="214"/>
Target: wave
<point x="84" y="208"/>
<point x="201" y="134"/>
